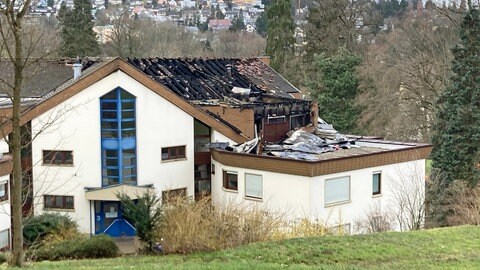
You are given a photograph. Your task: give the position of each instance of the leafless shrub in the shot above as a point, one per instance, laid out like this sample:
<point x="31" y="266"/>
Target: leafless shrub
<point x="303" y="227"/>
<point x="464" y="204"/>
<point x="375" y="221"/>
<point x="198" y="226"/>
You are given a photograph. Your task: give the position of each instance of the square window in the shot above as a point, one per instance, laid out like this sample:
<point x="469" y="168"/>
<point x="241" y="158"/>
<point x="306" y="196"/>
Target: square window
<point x="230" y="180"/>
<point x="337" y="190"/>
<point x="253" y="186"/>
<point x="376" y="183"/>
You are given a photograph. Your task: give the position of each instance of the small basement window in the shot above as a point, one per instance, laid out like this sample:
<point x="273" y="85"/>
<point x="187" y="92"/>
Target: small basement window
<point x="174" y="152"/>
<point x="230" y="180"/>
<point x="58" y="202"/>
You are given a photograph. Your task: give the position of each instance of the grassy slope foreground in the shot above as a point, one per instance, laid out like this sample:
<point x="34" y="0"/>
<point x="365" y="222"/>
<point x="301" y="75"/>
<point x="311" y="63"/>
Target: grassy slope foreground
<point x="448" y="248"/>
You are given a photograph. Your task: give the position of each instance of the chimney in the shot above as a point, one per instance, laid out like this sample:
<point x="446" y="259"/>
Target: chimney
<point x="265" y="59"/>
<point x="77" y="70"/>
<point x="229" y="70"/>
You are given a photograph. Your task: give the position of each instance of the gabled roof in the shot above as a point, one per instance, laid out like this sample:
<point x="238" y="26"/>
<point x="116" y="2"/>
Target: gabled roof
<point x="102" y="70"/>
<point x="204" y="79"/>
<point x="41" y="76"/>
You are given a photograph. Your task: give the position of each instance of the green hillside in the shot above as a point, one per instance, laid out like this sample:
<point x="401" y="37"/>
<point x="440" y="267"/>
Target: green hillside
<point x="446" y="248"/>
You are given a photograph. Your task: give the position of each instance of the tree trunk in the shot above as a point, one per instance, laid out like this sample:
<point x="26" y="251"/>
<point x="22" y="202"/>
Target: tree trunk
<point x="16" y="147"/>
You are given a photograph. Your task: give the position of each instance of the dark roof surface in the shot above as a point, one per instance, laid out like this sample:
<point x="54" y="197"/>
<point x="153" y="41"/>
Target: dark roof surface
<point x="204" y="79"/>
<point x="40" y="77"/>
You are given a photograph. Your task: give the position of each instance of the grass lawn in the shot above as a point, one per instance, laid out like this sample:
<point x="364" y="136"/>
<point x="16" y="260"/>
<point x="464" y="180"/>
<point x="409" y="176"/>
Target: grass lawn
<point x="447" y="248"/>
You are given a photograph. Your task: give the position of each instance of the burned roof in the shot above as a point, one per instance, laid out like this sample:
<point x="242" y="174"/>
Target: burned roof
<point x="40" y="77"/>
<point x="206" y="79"/>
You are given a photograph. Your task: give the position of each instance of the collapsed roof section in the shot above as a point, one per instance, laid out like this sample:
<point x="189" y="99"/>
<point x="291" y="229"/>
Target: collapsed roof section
<point x="318" y="143"/>
<point x="216" y="79"/>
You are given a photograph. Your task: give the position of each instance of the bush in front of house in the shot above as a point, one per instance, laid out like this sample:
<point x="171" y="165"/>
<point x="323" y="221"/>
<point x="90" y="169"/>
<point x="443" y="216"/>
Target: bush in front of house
<point x="98" y="246"/>
<point x="3" y="258"/>
<point x="48" y="227"/>
<point x="193" y="226"/>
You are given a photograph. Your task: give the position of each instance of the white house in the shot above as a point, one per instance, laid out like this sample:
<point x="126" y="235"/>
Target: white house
<point x="5" y="169"/>
<point x="147" y="124"/>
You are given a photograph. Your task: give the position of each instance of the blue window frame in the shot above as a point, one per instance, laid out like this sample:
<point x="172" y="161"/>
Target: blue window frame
<point x="118" y="135"/>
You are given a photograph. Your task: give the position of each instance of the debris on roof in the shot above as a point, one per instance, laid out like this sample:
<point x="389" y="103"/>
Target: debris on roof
<point x="302" y="144"/>
<point x="205" y="79"/>
<point x="324" y="129"/>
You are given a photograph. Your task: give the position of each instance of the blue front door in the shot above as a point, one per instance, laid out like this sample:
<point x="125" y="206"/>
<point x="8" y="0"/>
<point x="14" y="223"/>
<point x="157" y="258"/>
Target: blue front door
<point x="109" y="220"/>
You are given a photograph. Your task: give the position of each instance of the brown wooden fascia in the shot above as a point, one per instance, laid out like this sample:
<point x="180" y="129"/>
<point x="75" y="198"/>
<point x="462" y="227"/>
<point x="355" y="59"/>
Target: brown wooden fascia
<point x="322" y="167"/>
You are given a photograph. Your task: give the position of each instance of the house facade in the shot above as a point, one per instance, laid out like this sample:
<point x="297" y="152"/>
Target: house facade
<point x="152" y="125"/>
<point x="5" y="169"/>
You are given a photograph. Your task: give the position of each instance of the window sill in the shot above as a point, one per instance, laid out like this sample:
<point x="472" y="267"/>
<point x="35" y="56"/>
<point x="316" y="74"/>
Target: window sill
<point x="377" y="195"/>
<point x="58" y="165"/>
<point x="173" y="160"/>
<point x="253" y="199"/>
<point x="230" y="190"/>
<point x="58" y="210"/>
<point x="337" y="203"/>
<point x="4" y="201"/>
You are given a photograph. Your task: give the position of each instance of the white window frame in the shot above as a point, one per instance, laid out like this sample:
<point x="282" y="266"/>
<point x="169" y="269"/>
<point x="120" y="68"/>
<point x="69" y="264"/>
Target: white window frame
<point x="379" y="184"/>
<point x="341" y="201"/>
<point x="246" y="186"/>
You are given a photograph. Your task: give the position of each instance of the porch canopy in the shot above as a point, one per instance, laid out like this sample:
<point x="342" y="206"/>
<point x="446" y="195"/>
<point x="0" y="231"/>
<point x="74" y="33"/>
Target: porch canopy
<point x="110" y="193"/>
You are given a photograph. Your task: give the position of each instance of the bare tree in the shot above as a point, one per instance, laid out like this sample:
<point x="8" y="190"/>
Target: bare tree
<point x="18" y="52"/>
<point x="124" y="33"/>
<point x="407" y="68"/>
<point x="408" y="193"/>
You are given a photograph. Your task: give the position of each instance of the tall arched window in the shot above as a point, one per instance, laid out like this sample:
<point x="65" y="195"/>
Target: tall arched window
<point x="118" y="132"/>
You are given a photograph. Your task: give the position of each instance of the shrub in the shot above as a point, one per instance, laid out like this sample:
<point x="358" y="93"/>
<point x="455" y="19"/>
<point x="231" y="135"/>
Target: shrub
<point x="3" y="258"/>
<point x="99" y="246"/>
<point x="144" y="213"/>
<point x="48" y="227"/>
<point x="198" y="226"/>
<point x="464" y="202"/>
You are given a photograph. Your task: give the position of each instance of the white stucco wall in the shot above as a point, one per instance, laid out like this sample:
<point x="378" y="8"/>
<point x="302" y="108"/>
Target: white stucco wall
<point x="282" y="193"/>
<point x="4" y="208"/>
<point x="76" y="127"/>
<point x="219" y="137"/>
<point x="5" y="218"/>
<point x="303" y="197"/>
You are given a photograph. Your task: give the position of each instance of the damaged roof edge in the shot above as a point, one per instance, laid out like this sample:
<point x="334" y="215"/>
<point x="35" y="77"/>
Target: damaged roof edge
<point x="321" y="167"/>
<point x="280" y="75"/>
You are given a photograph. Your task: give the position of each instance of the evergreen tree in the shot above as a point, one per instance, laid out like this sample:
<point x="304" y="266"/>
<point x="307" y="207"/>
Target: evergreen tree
<point x="238" y="23"/>
<point x="77" y="30"/>
<point x="457" y="128"/>
<point x="262" y="24"/>
<point x="334" y="84"/>
<point x="280" y="32"/>
<point x="218" y="13"/>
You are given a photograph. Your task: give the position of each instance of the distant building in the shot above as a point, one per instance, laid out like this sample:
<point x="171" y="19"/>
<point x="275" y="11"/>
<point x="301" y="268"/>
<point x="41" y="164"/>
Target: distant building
<point x="217" y="25"/>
